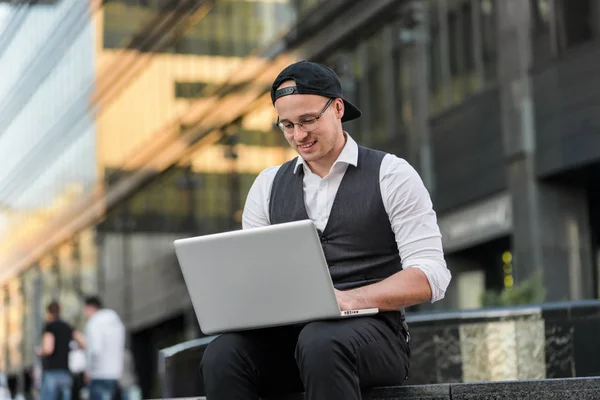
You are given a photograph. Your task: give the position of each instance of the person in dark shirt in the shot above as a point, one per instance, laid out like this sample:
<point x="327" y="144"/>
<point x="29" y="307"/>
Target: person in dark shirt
<point x="56" y="337"/>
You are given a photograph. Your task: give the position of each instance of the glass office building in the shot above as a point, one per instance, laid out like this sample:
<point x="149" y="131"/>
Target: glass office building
<point x="125" y="124"/>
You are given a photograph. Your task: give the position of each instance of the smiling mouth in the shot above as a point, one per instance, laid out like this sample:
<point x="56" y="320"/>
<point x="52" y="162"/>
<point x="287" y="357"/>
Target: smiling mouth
<point x="307" y="145"/>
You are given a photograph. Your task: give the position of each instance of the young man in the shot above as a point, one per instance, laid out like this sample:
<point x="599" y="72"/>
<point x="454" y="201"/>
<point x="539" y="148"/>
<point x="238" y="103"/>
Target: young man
<point x="381" y="240"/>
<point x="105" y="337"/>
<point x="56" y="337"/>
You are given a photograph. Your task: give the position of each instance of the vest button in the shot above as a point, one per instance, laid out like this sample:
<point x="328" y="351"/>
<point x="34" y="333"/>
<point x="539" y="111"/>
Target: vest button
<point x="324" y="239"/>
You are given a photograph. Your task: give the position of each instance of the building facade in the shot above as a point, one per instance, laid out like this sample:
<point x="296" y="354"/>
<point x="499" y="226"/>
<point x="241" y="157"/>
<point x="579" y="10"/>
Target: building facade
<point x="125" y="124"/>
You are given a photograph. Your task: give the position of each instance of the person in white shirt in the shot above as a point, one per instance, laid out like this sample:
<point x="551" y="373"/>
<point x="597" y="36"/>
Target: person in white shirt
<point x="380" y="238"/>
<point x="105" y="350"/>
<point x="77" y="359"/>
<point x="4" y="390"/>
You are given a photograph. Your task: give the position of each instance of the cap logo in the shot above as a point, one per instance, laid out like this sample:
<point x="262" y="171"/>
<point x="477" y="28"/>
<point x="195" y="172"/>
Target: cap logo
<point x="286" y="91"/>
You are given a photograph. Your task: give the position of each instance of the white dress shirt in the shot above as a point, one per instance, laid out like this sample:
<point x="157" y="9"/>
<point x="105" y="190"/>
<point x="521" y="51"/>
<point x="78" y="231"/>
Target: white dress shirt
<point x="405" y="198"/>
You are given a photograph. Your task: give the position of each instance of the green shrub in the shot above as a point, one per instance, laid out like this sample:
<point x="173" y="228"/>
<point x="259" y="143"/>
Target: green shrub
<point x="529" y="291"/>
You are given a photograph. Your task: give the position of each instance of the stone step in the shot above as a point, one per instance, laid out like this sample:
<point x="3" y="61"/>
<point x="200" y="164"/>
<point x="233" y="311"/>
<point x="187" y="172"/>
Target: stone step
<point x="547" y="389"/>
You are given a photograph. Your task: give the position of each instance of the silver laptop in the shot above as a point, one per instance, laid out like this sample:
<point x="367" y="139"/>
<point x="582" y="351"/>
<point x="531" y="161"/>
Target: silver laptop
<point x="256" y="278"/>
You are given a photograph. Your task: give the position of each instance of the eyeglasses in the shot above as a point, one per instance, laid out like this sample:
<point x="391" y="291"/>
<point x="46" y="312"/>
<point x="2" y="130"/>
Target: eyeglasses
<point x="307" y="124"/>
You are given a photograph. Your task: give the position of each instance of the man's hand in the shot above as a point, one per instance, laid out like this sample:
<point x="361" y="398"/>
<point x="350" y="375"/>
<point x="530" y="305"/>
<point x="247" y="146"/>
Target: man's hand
<point x="347" y="299"/>
<point x="80" y="339"/>
<point x="403" y="289"/>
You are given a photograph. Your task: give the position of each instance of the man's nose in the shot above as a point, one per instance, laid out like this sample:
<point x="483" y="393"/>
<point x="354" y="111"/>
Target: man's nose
<point x="299" y="134"/>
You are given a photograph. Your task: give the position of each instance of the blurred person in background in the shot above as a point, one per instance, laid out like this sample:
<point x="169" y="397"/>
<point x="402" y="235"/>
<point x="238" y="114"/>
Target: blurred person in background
<point x="54" y="352"/>
<point x="77" y="368"/>
<point x="105" y="350"/>
<point x="4" y="390"/>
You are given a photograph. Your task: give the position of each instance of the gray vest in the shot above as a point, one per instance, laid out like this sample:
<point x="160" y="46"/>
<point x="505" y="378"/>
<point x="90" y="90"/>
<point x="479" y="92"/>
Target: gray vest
<point x="358" y="241"/>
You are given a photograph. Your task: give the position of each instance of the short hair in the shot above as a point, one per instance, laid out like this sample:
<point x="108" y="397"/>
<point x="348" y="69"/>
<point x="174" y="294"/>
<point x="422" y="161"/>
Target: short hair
<point x="93" y="301"/>
<point x="53" y="308"/>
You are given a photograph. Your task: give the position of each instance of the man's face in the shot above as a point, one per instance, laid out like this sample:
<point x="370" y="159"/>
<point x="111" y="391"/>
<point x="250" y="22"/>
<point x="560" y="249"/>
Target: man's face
<point x="88" y="311"/>
<point x="325" y="133"/>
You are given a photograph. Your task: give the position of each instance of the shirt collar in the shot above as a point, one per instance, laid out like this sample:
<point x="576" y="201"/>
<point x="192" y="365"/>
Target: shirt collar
<point x="349" y="155"/>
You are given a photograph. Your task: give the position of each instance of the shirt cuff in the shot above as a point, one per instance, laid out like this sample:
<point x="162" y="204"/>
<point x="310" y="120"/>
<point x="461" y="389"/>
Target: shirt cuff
<point x="437" y="275"/>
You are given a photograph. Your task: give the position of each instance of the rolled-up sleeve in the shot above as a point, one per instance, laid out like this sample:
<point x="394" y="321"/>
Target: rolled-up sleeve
<point x="256" y="207"/>
<point x="414" y="222"/>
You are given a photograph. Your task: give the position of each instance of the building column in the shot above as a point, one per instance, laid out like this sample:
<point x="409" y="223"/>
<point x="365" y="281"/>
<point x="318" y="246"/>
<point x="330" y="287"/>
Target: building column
<point x="594" y="198"/>
<point x="21" y="370"/>
<point x="551" y="233"/>
<point x="415" y="38"/>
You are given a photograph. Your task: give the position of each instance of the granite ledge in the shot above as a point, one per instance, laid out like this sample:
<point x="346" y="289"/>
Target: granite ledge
<point x="417" y="392"/>
<point x="567" y="389"/>
<point x="553" y="389"/>
<point x="424" y="392"/>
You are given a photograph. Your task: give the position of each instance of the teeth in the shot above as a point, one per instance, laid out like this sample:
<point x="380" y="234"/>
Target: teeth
<point x="304" y="146"/>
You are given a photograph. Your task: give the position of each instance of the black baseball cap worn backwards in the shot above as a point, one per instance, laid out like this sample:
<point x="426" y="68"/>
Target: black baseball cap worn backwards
<point x="313" y="78"/>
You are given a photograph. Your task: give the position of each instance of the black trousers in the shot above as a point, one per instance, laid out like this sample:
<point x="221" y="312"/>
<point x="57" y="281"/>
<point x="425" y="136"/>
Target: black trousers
<point x="325" y="359"/>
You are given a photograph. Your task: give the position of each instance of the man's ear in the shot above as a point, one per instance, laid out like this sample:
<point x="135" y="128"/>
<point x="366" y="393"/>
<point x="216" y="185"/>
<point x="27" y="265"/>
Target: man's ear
<point x="339" y="108"/>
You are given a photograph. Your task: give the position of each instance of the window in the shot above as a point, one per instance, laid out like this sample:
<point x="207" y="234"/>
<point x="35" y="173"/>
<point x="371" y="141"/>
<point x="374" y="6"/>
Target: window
<point x="69" y="282"/>
<point x="377" y="89"/>
<point x="472" y="81"/>
<point x="189" y="90"/>
<point x="304" y="6"/>
<point x="462" y="51"/>
<point x="230" y="28"/>
<point x="559" y="25"/>
<point x="373" y="74"/>
<point x="457" y="54"/>
<point x="435" y="71"/>
<point x="88" y="261"/>
<point x="577" y="22"/>
<point x="346" y="63"/>
<point x="402" y="87"/>
<point x="50" y="280"/>
<point x="3" y="329"/>
<point x="33" y="312"/>
<point x="161" y="206"/>
<point x="541" y="28"/>
<point x="487" y="14"/>
<point x="15" y="323"/>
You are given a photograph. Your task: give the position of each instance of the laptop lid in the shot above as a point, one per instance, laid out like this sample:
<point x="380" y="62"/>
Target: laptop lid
<point x="268" y="276"/>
